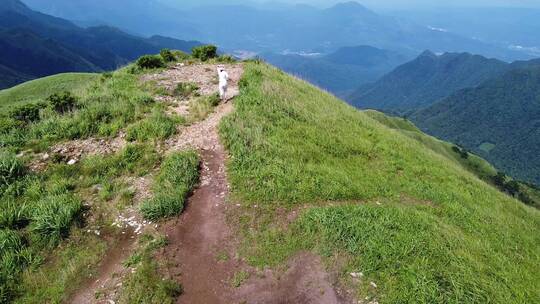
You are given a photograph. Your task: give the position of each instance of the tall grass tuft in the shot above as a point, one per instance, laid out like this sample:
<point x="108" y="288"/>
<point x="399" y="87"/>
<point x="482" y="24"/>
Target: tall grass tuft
<point x="178" y="175"/>
<point x="157" y="126"/>
<point x="53" y="216"/>
<point x="11" y="168"/>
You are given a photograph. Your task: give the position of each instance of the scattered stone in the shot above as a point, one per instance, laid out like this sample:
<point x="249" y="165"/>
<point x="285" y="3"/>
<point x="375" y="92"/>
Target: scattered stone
<point x="357" y="275"/>
<point x="72" y="162"/>
<point x="373" y="284"/>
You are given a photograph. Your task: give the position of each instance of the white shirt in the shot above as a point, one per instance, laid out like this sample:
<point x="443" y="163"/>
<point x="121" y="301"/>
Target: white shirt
<point x="223" y="78"/>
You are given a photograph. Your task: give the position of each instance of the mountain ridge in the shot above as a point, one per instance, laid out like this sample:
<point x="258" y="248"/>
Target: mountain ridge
<point x="499" y="120"/>
<point x="426" y="79"/>
<point x="67" y="47"/>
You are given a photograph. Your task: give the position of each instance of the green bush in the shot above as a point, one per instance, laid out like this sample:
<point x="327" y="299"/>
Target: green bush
<point x="167" y="55"/>
<point x="226" y="59"/>
<point x="7" y="124"/>
<point x="181" y="55"/>
<point x="53" y="216"/>
<point x="26" y="113"/>
<point x="204" y="52"/>
<point x="11" y="169"/>
<point x="150" y="62"/>
<point x="178" y="175"/>
<point x="185" y="89"/>
<point x="62" y="102"/>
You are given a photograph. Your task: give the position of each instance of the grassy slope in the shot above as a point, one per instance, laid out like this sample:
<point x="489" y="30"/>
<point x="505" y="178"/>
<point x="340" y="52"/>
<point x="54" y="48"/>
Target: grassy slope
<point x="108" y="104"/>
<point x="475" y="164"/>
<point x="41" y="88"/>
<point x="421" y="226"/>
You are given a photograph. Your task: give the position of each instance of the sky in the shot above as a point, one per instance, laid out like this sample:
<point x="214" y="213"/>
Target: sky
<point x="401" y="4"/>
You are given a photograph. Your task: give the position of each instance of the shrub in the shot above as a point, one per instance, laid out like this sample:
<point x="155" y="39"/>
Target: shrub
<point x="62" y="102"/>
<point x="11" y="169"/>
<point x="150" y="62"/>
<point x="525" y="198"/>
<point x="181" y="55"/>
<point x="225" y="59"/>
<point x="499" y="180"/>
<point x="7" y="124"/>
<point x="461" y="151"/>
<point x="512" y="187"/>
<point x="167" y="55"/>
<point x="204" y="52"/>
<point x="26" y="113"/>
<point x="105" y="76"/>
<point x="185" y="89"/>
<point x="177" y="177"/>
<point x="53" y="216"/>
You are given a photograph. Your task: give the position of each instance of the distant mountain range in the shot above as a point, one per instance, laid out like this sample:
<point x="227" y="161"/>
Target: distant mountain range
<point x="425" y="80"/>
<point x="272" y="27"/>
<point x="486" y="105"/>
<point x="35" y="45"/>
<point x="341" y="71"/>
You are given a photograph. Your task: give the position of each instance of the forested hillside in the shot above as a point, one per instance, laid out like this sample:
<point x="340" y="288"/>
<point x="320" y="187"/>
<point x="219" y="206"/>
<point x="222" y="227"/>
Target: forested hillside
<point x="339" y="72"/>
<point x="499" y="120"/>
<point x="425" y="80"/>
<point x="34" y="45"/>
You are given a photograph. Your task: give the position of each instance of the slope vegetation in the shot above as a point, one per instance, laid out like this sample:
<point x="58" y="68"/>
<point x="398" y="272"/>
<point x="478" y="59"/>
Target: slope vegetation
<point x="411" y="225"/>
<point x="39" y="89"/>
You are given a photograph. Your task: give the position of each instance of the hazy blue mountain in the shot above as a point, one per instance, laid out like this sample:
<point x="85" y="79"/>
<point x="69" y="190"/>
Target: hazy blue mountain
<point x="272" y="28"/>
<point x="425" y="80"/>
<point x="144" y="17"/>
<point x="341" y="71"/>
<point x="499" y="120"/>
<point x="35" y="45"/>
<point x="509" y="27"/>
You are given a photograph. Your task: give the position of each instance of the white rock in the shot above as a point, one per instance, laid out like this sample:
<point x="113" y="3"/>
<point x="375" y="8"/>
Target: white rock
<point x="72" y="162"/>
<point x="357" y="274"/>
<point x="373" y="284"/>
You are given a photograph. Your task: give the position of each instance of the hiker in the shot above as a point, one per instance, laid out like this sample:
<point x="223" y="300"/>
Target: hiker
<point x="223" y="79"/>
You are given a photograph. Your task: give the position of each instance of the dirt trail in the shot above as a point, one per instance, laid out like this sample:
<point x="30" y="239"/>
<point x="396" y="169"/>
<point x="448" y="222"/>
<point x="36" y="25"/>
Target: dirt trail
<point x="109" y="273"/>
<point x="202" y="251"/>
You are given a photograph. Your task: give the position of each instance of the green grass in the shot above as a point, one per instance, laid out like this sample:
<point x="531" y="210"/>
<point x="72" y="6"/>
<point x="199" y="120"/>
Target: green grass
<point x="472" y="163"/>
<point x="146" y="285"/>
<point x="178" y="175"/>
<point x="68" y="267"/>
<point x="41" y="220"/>
<point x="157" y="126"/>
<point x="239" y="278"/>
<point x="414" y="220"/>
<point x="201" y="107"/>
<point x="104" y="107"/>
<point x="42" y="88"/>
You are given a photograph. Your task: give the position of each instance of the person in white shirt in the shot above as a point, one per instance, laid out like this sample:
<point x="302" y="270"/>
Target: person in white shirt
<point x="223" y="82"/>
